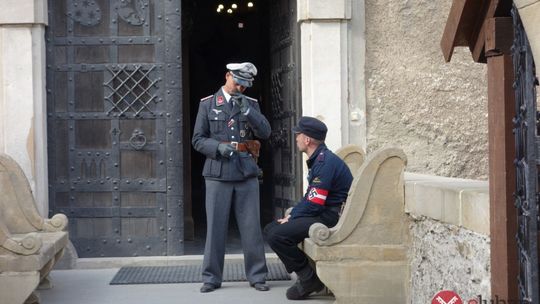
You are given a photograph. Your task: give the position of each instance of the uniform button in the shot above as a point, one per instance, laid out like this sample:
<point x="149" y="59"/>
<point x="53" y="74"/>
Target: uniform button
<point x="232" y="136"/>
<point x="232" y="128"/>
<point x="215" y="118"/>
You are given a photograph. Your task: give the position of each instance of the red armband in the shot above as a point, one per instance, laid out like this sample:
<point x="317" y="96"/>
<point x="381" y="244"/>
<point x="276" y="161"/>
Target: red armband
<point x="317" y="196"/>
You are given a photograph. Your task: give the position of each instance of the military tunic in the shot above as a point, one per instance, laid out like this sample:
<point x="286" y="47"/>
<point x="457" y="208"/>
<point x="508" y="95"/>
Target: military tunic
<point x="329" y="182"/>
<point x="231" y="183"/>
<point x="218" y="122"/>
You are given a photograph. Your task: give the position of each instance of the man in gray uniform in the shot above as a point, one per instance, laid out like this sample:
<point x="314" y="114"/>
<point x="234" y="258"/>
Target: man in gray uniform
<point x="226" y="124"/>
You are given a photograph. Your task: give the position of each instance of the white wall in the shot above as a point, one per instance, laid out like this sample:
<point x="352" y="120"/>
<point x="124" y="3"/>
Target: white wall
<point x="23" y="130"/>
<point x="332" y="64"/>
<point x="529" y="11"/>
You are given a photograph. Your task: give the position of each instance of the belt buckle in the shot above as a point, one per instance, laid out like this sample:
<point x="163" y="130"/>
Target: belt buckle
<point x="235" y="145"/>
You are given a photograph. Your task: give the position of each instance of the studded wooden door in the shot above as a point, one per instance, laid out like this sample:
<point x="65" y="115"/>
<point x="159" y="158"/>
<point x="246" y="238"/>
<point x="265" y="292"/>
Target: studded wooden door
<point x="285" y="99"/>
<point x="114" y="124"/>
<point x="527" y="163"/>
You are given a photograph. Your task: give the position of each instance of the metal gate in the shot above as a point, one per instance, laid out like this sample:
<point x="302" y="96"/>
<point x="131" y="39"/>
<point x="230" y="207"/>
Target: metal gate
<point x="286" y="106"/>
<point x="114" y="124"/>
<point x="527" y="160"/>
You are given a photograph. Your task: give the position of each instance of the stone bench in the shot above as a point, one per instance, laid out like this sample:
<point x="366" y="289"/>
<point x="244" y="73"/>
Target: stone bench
<point x="29" y="244"/>
<point x="353" y="156"/>
<point x="363" y="259"/>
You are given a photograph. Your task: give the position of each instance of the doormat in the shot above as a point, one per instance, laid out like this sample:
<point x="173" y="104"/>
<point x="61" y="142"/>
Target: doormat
<point x="233" y="272"/>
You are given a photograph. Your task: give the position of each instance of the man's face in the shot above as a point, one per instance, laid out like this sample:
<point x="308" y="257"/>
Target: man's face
<point x="231" y="86"/>
<point x="302" y="142"/>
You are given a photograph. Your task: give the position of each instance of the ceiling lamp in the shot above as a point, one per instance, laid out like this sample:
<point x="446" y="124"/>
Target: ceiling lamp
<point x="234" y="6"/>
<point x="250" y="4"/>
<point x="229" y="11"/>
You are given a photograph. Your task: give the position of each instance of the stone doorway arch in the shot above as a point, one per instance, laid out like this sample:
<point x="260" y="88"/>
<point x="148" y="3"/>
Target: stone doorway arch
<point x="529" y="11"/>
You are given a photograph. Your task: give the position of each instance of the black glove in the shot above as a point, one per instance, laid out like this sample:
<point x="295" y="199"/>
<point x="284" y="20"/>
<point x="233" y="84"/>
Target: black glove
<point x="241" y="102"/>
<point x="226" y="150"/>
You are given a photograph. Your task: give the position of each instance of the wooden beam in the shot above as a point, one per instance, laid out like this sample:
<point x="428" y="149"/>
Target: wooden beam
<point x="477" y="45"/>
<point x="448" y="40"/>
<point x="503" y="215"/>
<point x="479" y="35"/>
<point x="459" y="25"/>
<point x="466" y="25"/>
<point x="499" y="36"/>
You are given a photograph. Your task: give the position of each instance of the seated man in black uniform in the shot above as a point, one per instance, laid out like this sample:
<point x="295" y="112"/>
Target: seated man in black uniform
<point x="329" y="181"/>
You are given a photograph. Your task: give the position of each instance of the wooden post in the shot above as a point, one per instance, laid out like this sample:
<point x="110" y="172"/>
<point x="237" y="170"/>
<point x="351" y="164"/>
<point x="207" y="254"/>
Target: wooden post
<point x="503" y="215"/>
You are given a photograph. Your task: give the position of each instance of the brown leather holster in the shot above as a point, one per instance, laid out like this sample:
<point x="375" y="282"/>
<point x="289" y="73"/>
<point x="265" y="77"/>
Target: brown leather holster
<point x="253" y="147"/>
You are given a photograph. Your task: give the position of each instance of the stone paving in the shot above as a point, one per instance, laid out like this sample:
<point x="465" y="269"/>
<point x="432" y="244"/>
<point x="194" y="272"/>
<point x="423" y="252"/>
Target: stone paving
<point x="91" y="286"/>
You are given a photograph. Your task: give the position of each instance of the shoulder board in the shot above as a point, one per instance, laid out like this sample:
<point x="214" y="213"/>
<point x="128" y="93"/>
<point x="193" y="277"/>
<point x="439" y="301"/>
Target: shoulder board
<point x="252" y="99"/>
<point x="207" y="97"/>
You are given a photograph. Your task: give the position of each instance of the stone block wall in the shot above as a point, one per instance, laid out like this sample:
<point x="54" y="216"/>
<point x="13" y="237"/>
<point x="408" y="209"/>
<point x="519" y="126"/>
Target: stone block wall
<point x="448" y="257"/>
<point x="450" y="243"/>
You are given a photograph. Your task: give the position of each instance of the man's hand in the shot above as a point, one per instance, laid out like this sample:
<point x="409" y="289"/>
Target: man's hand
<point x="284" y="220"/>
<point x="226" y="150"/>
<point x="241" y="102"/>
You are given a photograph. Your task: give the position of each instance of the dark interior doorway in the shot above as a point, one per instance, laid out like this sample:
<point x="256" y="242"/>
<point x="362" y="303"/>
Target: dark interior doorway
<point x="211" y="39"/>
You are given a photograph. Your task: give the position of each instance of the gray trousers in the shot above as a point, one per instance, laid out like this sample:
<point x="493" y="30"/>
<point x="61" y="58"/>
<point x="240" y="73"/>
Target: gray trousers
<point x="242" y="198"/>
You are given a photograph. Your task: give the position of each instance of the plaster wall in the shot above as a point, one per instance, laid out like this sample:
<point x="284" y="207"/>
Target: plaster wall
<point x="435" y="111"/>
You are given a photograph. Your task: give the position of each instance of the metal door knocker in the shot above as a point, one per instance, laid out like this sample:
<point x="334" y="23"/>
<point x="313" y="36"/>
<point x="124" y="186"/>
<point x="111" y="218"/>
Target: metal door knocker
<point x="137" y="139"/>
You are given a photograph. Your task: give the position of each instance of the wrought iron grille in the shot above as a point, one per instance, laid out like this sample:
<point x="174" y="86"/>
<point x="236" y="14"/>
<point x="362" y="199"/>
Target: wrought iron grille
<point x="131" y="89"/>
<point x="526" y="141"/>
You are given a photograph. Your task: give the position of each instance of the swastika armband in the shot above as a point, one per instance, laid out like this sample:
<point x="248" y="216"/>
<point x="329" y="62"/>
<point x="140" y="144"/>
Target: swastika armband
<point x="317" y="196"/>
